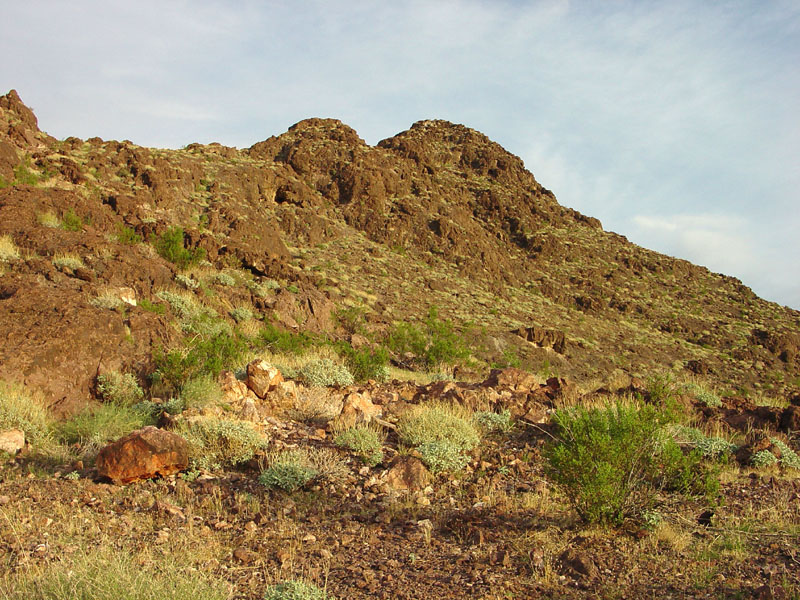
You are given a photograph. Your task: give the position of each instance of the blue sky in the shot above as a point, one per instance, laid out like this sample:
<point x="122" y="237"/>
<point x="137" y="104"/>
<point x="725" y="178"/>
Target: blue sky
<point x="675" y="123"/>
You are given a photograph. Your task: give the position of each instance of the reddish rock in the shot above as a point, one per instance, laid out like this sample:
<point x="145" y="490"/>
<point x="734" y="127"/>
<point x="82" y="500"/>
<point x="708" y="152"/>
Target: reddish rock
<point x="790" y="419"/>
<point x="357" y="409"/>
<point x="235" y="392"/>
<point x="512" y="377"/>
<point x="143" y="454"/>
<point x="262" y="377"/>
<point x="407" y="473"/>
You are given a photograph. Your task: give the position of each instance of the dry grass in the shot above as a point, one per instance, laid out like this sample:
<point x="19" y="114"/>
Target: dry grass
<point x="48" y="219"/>
<point x="8" y="249"/>
<point x="67" y="260"/>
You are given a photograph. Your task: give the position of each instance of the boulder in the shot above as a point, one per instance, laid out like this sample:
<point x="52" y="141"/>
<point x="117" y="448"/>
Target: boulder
<point x="262" y="377"/>
<point x="143" y="454"/>
<point x="358" y="409"/>
<point x="12" y="441"/>
<point x="235" y="392"/>
<point x="407" y="473"/>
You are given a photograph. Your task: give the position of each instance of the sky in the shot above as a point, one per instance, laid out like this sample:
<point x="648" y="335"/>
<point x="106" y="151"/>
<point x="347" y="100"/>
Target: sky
<point x="677" y="123"/>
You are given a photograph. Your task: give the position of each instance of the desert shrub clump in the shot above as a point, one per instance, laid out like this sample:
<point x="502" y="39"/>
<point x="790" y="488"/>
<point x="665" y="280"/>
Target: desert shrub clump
<point x="96" y="426"/>
<point x="366" y="363"/>
<point x="119" y="388"/>
<point x="8" y="249"/>
<point x="435" y="342"/>
<point x="788" y="457"/>
<point x="289" y="470"/>
<point x="492" y="422"/>
<point x="442" y="433"/>
<point x="364" y="442"/>
<point x="296" y="590"/>
<point x="611" y="460"/>
<point x="325" y="373"/>
<point x="216" y="443"/>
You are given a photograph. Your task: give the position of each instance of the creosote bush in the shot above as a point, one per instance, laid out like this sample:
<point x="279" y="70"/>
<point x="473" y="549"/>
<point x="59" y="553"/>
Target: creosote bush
<point x="364" y="441"/>
<point x="170" y="246"/>
<point x="435" y="342"/>
<point x="610" y="460"/>
<point x="216" y="443"/>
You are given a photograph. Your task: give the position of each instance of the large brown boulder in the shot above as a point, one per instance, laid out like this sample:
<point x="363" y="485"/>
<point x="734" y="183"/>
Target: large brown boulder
<point x="143" y="454"/>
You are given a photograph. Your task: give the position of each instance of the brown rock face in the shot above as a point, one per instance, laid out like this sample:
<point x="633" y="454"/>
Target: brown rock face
<point x="143" y="454"/>
<point x="544" y="338"/>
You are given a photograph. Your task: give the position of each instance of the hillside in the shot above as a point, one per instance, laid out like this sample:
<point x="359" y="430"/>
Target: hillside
<point x="436" y="268"/>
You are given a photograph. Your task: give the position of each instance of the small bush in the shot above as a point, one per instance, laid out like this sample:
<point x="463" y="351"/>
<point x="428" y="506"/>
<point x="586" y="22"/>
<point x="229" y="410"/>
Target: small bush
<point x="325" y="373"/>
<point x="127" y="235"/>
<point x="96" y="426"/>
<point x="290" y="470"/>
<point x="170" y="246"/>
<point x="443" y="455"/>
<point x="366" y="443"/>
<point x="8" y="249"/>
<point x="763" y="458"/>
<point x="788" y="459"/>
<point x="68" y="261"/>
<point x="708" y="447"/>
<point x="216" y="443"/>
<point x="224" y="279"/>
<point x="434" y="344"/>
<point x="661" y="388"/>
<point x="200" y="391"/>
<point x="241" y="313"/>
<point x="186" y="281"/>
<point x="314" y="404"/>
<point x="49" y="219"/>
<point x="123" y="389"/>
<point x="702" y="394"/>
<point x="296" y="590"/>
<point x="24" y="176"/>
<point x="438" y="423"/>
<point x="158" y="309"/>
<point x="21" y="410"/>
<point x="366" y="363"/>
<point x="71" y="222"/>
<point x="284" y="342"/>
<point x="107" y="300"/>
<point x="492" y="422"/>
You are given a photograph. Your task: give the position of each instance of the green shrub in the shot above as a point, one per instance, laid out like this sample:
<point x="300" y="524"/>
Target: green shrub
<point x="661" y="388"/>
<point x="158" y="309"/>
<point x="71" y="222"/>
<point x="708" y="447"/>
<point x="438" y="423"/>
<point x="763" y="458"/>
<point x="285" y="342"/>
<point x="296" y="590"/>
<point x="24" y="176"/>
<point x="435" y="344"/>
<point x="289" y="470"/>
<point x="123" y="389"/>
<point x="610" y="460"/>
<point x="788" y="459"/>
<point x="200" y="391"/>
<point x="492" y="422"/>
<point x="325" y="372"/>
<point x="216" y="443"/>
<point x="186" y="281"/>
<point x="241" y="313"/>
<point x="443" y="455"/>
<point x="96" y="426"/>
<point x="366" y="363"/>
<point x="702" y="394"/>
<point x="365" y="442"/>
<point x="127" y="235"/>
<point x="170" y="246"/>
<point x="152" y="410"/>
<point x="20" y="410"/>
<point x="224" y="279"/>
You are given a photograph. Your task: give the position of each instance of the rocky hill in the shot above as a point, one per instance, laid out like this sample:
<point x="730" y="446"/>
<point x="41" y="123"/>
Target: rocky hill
<point x="436" y="215"/>
<point x="392" y="371"/>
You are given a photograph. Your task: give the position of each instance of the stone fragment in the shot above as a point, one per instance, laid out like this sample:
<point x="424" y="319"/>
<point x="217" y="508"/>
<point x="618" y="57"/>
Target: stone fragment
<point x="143" y="454"/>
<point x="262" y="377"/>
<point x="579" y="564"/>
<point x="235" y="392"/>
<point x="407" y="473"/>
<point x="358" y="409"/>
<point x="12" y="441"/>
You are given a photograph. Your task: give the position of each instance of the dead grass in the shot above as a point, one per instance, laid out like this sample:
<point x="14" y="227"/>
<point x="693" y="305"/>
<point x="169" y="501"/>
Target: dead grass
<point x="8" y="249"/>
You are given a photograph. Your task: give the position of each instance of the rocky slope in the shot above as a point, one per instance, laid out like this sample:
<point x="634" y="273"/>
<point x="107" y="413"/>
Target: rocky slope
<point x="436" y="215"/>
